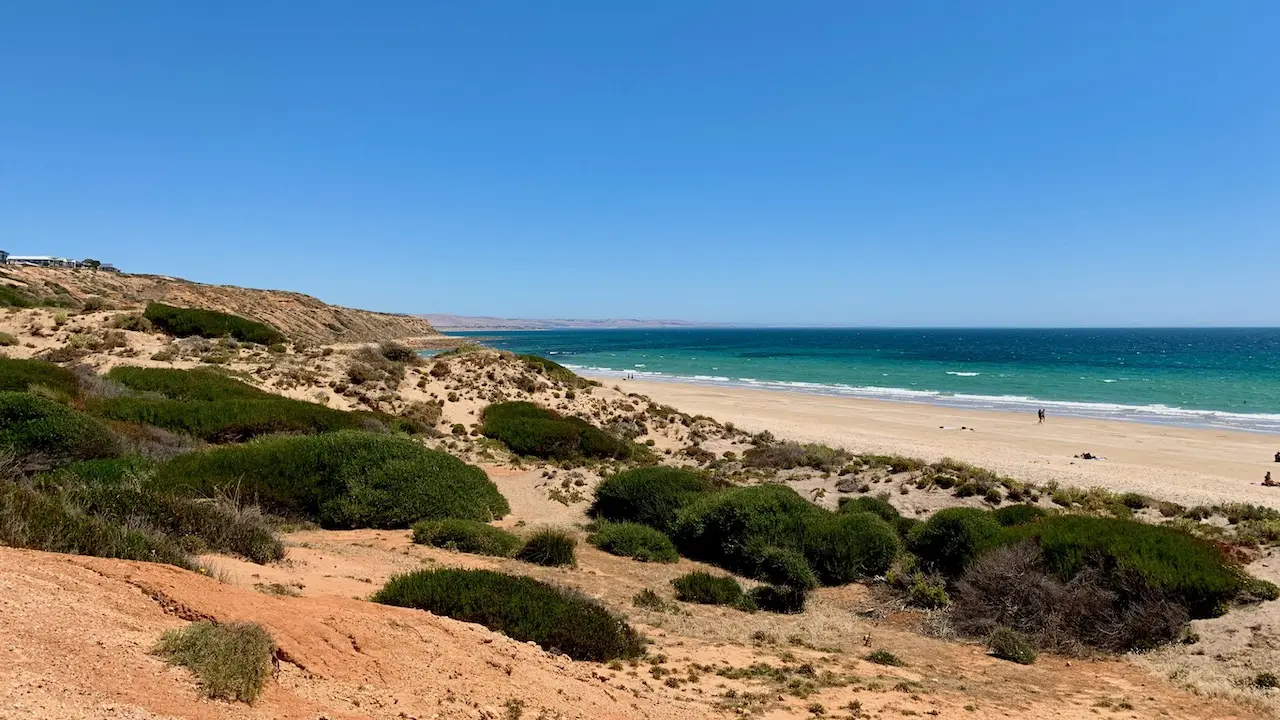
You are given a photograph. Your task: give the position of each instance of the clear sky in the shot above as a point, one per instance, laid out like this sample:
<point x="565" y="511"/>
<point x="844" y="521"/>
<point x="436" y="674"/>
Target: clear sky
<point x="989" y="162"/>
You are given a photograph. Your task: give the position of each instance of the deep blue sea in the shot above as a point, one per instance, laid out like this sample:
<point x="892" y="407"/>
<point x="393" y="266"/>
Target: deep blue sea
<point x="1224" y="378"/>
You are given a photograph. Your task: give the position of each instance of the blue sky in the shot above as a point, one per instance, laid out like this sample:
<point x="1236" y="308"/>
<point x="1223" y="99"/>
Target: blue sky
<point x="882" y="163"/>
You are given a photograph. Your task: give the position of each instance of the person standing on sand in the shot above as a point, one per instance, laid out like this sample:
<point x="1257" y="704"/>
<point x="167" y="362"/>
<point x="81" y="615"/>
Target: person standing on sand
<point x="1041" y="415"/>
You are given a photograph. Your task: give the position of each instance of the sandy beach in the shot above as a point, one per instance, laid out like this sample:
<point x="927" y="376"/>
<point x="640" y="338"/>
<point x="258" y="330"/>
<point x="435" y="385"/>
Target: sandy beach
<point x="1185" y="465"/>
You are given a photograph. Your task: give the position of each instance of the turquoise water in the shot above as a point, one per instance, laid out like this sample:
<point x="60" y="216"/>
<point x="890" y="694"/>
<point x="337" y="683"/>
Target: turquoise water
<point x="1226" y="378"/>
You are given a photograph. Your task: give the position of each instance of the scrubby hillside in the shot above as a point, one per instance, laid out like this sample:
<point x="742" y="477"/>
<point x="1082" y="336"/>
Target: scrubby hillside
<point x="299" y="316"/>
<point x="770" y="578"/>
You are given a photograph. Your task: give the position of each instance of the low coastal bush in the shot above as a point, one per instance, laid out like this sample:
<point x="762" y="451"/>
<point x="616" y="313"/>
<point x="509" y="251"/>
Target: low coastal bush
<point x="39" y="521"/>
<point x="549" y="547"/>
<point x="231" y="661"/>
<point x="232" y="420"/>
<point x="31" y="425"/>
<point x="785" y="568"/>
<point x="186" y="322"/>
<point x="194" y="384"/>
<point x="872" y="505"/>
<point x="788" y="455"/>
<point x="723" y="528"/>
<point x="884" y="657"/>
<point x="532" y="430"/>
<point x="648" y="495"/>
<point x="1189" y="570"/>
<point x="636" y="541"/>
<point x="1011" y="515"/>
<point x="521" y="608"/>
<point x="779" y="599"/>
<point x="195" y="524"/>
<point x="21" y="375"/>
<point x="345" y="479"/>
<point x="952" y="538"/>
<point x="1012" y="645"/>
<point x="707" y="589"/>
<point x="468" y="536"/>
<point x="847" y="547"/>
<point x="554" y="371"/>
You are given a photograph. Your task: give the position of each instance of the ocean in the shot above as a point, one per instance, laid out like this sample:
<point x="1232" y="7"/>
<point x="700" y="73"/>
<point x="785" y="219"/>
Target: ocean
<point x="1217" y="378"/>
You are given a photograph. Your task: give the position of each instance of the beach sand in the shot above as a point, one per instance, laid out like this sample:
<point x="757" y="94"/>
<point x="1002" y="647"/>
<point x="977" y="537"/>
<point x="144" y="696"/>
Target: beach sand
<point x="1186" y="465"/>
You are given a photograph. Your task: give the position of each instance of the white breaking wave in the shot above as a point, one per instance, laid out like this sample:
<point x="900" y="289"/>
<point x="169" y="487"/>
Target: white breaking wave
<point x="963" y="374"/>
<point x="1152" y="414"/>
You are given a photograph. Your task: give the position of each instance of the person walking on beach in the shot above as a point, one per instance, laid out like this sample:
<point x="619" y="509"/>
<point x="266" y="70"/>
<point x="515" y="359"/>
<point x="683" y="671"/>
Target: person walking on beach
<point x="1041" y="415"/>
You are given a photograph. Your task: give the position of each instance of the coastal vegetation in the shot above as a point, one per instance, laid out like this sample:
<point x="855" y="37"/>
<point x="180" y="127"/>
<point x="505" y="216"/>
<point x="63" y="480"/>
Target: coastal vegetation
<point x="636" y="541"/>
<point x="345" y="479"/>
<point x="521" y="608"/>
<point x="186" y="322"/>
<point x="231" y="661"/>
<point x="528" y="429"/>
<point x="468" y="536"/>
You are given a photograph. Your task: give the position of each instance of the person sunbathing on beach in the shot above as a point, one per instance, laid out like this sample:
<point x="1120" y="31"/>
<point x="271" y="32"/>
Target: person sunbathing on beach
<point x="1278" y="457"/>
<point x="1268" y="481"/>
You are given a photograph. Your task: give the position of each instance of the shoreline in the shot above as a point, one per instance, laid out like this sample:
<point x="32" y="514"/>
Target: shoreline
<point x="1159" y="415"/>
<point x="1192" y="466"/>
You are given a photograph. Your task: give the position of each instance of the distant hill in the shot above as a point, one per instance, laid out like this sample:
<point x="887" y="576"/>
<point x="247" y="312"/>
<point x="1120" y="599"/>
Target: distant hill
<point x="299" y="316"/>
<point x="463" y="322"/>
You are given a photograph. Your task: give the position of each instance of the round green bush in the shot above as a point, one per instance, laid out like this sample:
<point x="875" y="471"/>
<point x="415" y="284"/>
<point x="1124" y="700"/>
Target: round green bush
<point x="784" y="567"/>
<point x="346" y="479"/>
<point x="521" y="608"/>
<point x="468" y="536"/>
<point x="549" y="547"/>
<point x="874" y="505"/>
<point x="952" y="538"/>
<point x="648" y="495"/>
<point x="33" y="425"/>
<point x="1011" y="515"/>
<point x="528" y="429"/>
<point x="779" y="599"/>
<point x="175" y="384"/>
<point x="707" y="589"/>
<point x="844" y="548"/>
<point x="723" y="528"/>
<point x="636" y="541"/>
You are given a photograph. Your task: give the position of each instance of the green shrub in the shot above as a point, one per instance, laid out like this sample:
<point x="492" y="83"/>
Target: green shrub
<point x="344" y="479"/>
<point x="185" y="322"/>
<point x="785" y="568"/>
<point x="468" y="536"/>
<point x="1011" y="515"/>
<point x="723" y="528"/>
<point x="779" y="599"/>
<point x="39" y="521"/>
<point x="648" y="495"/>
<point x="195" y="384"/>
<point x="532" y="430"/>
<point x="707" y="589"/>
<point x="197" y="525"/>
<point x="20" y="375"/>
<point x="554" y="371"/>
<point x="398" y="352"/>
<point x="884" y="657"/>
<point x="231" y="661"/>
<point x="521" y="608"/>
<point x="634" y="540"/>
<point x="844" y="548"/>
<point x="788" y="455"/>
<point x="952" y="538"/>
<point x="549" y="547"/>
<point x="1190" y="570"/>
<point x="224" y="421"/>
<point x="1012" y="645"/>
<point x="32" y="425"/>
<point x="927" y="592"/>
<point x="7" y="340"/>
<point x="872" y="505"/>
<point x="1266" y="681"/>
